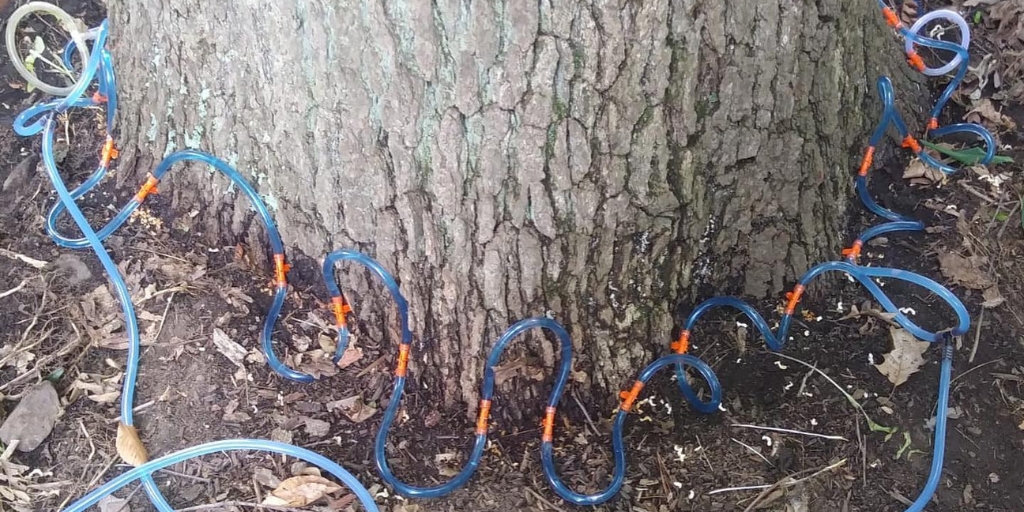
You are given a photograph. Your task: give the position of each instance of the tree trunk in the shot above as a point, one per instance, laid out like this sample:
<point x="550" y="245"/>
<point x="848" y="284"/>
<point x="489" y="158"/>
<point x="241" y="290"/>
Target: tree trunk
<point x="601" y="160"/>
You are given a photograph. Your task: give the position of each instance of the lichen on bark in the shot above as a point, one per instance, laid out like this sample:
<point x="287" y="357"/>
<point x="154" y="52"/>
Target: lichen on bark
<point x="601" y="160"/>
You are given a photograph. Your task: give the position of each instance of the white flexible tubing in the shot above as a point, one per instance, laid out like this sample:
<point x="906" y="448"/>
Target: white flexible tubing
<point x="948" y="15"/>
<point x="68" y="23"/>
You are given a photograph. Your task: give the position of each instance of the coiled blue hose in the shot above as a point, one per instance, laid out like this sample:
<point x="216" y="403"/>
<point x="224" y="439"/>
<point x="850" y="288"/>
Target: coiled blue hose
<point x="42" y="118"/>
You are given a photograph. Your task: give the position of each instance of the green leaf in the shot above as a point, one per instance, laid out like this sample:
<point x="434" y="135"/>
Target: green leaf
<point x="55" y="375"/>
<point x="970" y="156"/>
<point x="906" y="444"/>
<point x="1002" y="216"/>
<point x="977" y="17"/>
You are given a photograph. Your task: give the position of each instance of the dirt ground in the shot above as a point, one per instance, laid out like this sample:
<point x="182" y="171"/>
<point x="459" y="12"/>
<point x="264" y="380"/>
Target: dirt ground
<point x="62" y="324"/>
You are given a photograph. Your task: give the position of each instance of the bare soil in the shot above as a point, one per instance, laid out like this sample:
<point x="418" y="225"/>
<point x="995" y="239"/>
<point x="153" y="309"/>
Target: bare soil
<point x="190" y="393"/>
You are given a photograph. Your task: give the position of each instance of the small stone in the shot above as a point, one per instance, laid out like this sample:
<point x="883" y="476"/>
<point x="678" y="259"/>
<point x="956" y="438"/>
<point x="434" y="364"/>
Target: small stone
<point x="974" y="431"/>
<point x="113" y="504"/>
<point x="33" y="419"/>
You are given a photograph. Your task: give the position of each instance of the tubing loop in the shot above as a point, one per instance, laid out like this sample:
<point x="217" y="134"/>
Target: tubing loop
<point x="618" y="425"/>
<point x="486" y="395"/>
<point x="66" y="22"/>
<point x="959" y="50"/>
<point x="145" y="471"/>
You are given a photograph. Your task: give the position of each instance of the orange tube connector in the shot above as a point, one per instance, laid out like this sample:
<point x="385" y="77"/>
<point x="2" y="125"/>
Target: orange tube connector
<point x="149" y="187"/>
<point x="628" y="397"/>
<point x="916" y="61"/>
<point x="549" y="425"/>
<point x="865" y="163"/>
<point x="891" y="18"/>
<point x="108" y="153"/>
<point x="682" y="345"/>
<point x="854" y="250"/>
<point x="403" y="360"/>
<point x="794" y="298"/>
<point x="281" y="271"/>
<point x="340" y="309"/>
<point x="481" y="419"/>
<point x="933" y="124"/>
<point x="910" y="142"/>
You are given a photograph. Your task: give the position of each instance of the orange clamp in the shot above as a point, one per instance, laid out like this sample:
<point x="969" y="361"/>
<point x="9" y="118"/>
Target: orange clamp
<point x="549" y="425"/>
<point x="933" y="124"/>
<point x="481" y="419"/>
<point x="149" y="187"/>
<point x="910" y="142"/>
<point x="681" y="345"/>
<point x="916" y="61"/>
<point x="281" y="271"/>
<point x="403" y="360"/>
<point x="98" y="98"/>
<point x="891" y="18"/>
<point x="340" y="309"/>
<point x="854" y="251"/>
<point x="108" y="153"/>
<point x="628" y="397"/>
<point x="865" y="163"/>
<point x="794" y="298"/>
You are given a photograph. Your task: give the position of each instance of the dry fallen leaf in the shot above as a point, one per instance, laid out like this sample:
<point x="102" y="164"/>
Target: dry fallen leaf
<point x="966" y="271"/>
<point x="315" y="362"/>
<point x="299" y="491"/>
<point x="986" y="110"/>
<point x="129" y="446"/>
<point x="354" y="408"/>
<point x="351" y="356"/>
<point x="920" y="173"/>
<point x="992" y="297"/>
<point x="905" y="358"/>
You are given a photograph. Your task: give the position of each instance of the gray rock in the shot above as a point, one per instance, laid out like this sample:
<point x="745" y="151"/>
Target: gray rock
<point x="33" y="418"/>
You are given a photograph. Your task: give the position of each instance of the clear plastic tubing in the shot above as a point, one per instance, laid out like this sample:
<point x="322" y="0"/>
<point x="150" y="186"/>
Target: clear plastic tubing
<point x="66" y="21"/>
<point x="147" y="469"/>
<point x="965" y="38"/>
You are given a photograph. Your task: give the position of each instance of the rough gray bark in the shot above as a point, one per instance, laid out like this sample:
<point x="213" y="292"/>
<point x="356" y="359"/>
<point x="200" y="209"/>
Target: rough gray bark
<point x="597" y="159"/>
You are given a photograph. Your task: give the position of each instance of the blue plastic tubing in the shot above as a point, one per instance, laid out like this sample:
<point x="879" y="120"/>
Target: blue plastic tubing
<point x="42" y="119"/>
<point x="341" y="308"/>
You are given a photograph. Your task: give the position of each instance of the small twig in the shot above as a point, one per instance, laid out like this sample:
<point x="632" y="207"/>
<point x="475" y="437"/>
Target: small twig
<point x="10" y="449"/>
<point x="700" y="447"/>
<point x="742" y="488"/>
<point x="788" y="431"/>
<point x="849" y="397"/>
<point x="803" y="382"/>
<point x="189" y="477"/>
<point x="576" y="397"/>
<point x="32" y="262"/>
<point x="540" y="498"/>
<point x="863" y="457"/>
<point x="125" y="505"/>
<point x="665" y="488"/>
<point x="977" y="337"/>
<point x="163" y="318"/>
<point x="14" y="290"/>
<point x="999" y="235"/>
<point x="977" y="193"/>
<point x="964" y="374"/>
<point x="92" y="483"/>
<point x="790" y="481"/>
<point x="752" y="450"/>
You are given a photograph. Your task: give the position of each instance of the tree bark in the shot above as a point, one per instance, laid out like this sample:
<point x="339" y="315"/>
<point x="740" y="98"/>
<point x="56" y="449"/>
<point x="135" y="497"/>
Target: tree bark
<point x="601" y="160"/>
